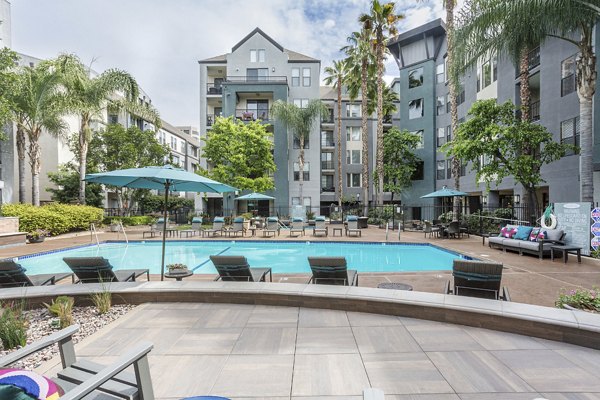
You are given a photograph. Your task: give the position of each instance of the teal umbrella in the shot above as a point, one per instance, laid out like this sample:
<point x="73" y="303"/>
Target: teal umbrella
<point x="167" y="178"/>
<point x="445" y="192"/>
<point x="255" y="196"/>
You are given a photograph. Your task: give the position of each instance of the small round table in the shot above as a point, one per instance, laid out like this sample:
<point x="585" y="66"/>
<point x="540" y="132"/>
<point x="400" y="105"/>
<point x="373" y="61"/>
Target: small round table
<point x="179" y="277"/>
<point x="394" y="285"/>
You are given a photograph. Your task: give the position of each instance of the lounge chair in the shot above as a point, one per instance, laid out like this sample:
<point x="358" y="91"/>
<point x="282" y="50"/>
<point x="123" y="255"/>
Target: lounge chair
<point x="272" y="227"/>
<point x="297" y="227"/>
<point x="352" y="226"/>
<point x="99" y="269"/>
<point x="217" y="227"/>
<point x="83" y="379"/>
<point x="13" y="275"/>
<point x="428" y="229"/>
<point x="155" y="229"/>
<point x="477" y="279"/>
<point x="332" y="271"/>
<point x="196" y="227"/>
<point x="236" y="268"/>
<point x="320" y="228"/>
<point x="238" y="227"/>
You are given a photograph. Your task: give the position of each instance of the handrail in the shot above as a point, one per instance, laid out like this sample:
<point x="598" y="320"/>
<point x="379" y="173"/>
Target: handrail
<point x="93" y="233"/>
<point x="123" y="230"/>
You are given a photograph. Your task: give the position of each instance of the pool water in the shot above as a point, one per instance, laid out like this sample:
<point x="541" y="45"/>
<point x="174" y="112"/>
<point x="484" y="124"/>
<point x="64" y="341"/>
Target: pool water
<point x="282" y="257"/>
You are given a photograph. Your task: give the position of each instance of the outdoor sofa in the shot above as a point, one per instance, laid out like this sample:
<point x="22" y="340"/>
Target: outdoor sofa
<point x="525" y="239"/>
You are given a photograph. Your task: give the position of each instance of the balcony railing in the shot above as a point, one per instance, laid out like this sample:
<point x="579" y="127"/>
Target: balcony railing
<point x="328" y="189"/>
<point x="328" y="119"/>
<point x="534" y="58"/>
<point x="534" y="111"/>
<point x="327" y="142"/>
<point x="251" y="115"/>
<point x="256" y="79"/>
<point x="212" y="88"/>
<point x="211" y="118"/>
<point x="327" y="165"/>
<point x="387" y="119"/>
<point x="568" y="85"/>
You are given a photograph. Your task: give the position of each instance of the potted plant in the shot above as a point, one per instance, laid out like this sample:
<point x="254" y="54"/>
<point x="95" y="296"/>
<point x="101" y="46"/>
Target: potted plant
<point x="175" y="269"/>
<point x="114" y="225"/>
<point x="37" y="236"/>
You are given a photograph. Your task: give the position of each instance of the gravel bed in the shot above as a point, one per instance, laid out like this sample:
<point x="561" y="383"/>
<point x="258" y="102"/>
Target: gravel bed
<point x="40" y="325"/>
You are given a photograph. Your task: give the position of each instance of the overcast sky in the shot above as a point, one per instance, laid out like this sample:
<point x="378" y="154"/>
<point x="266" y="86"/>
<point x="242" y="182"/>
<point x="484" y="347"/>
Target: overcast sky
<point x="160" y="41"/>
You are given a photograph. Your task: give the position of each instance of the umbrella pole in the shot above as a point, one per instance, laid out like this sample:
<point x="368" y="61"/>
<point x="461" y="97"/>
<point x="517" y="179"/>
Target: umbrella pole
<point x="164" y="234"/>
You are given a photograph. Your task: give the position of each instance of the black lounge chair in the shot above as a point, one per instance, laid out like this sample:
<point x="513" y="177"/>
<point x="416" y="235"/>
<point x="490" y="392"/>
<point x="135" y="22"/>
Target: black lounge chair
<point x="13" y="275"/>
<point x="332" y="271"/>
<point x="477" y="279"/>
<point x="236" y="268"/>
<point x="99" y="269"/>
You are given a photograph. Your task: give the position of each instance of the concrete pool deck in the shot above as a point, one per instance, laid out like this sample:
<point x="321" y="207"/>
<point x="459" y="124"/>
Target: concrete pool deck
<point x="529" y="279"/>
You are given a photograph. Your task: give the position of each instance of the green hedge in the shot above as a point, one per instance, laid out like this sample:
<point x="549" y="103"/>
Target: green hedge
<point x="55" y="218"/>
<point x="130" y="221"/>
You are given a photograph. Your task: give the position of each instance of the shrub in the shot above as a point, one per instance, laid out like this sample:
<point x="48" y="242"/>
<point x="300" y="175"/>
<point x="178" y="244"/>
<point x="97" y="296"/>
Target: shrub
<point x="102" y="300"/>
<point x="582" y="299"/>
<point x="154" y="203"/>
<point x="130" y="221"/>
<point x="13" y="327"/>
<point x="54" y="218"/>
<point x="62" y="307"/>
<point x="381" y="215"/>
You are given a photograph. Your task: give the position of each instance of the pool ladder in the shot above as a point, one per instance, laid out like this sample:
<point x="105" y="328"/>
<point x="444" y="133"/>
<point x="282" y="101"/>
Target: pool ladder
<point x="94" y="233"/>
<point x="122" y="230"/>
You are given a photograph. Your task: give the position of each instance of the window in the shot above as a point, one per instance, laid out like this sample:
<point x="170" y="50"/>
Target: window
<point x="113" y="119"/>
<point x="415" y="108"/>
<point x="353" y="133"/>
<point x="295" y="76"/>
<point x="487" y="73"/>
<point x="257" y="55"/>
<point x="327" y="160"/>
<point x="327" y="139"/>
<point x="327" y="183"/>
<point x="173" y="142"/>
<point x="441" y="169"/>
<point x="302" y="103"/>
<point x="486" y="70"/>
<point x="449" y="169"/>
<point x="463" y="168"/>
<point x="175" y="160"/>
<point x="257" y="74"/>
<point x="440" y="73"/>
<point x="306" y="171"/>
<point x="182" y="146"/>
<point x="420" y="135"/>
<point x="441" y="105"/>
<point x="441" y="136"/>
<point x="353" y="180"/>
<point x="567" y="83"/>
<point x="305" y="76"/>
<point x="353" y="157"/>
<point x="569" y="133"/>
<point x="415" y="78"/>
<point x="418" y="174"/>
<point x="448" y="133"/>
<point x="448" y="105"/>
<point x="296" y="202"/>
<point x="460" y="98"/>
<point x="297" y="142"/>
<point x="353" y="110"/>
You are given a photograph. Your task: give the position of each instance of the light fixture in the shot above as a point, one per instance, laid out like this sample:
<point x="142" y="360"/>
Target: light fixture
<point x="517" y="198"/>
<point x="357" y="196"/>
<point x="273" y="69"/>
<point x="484" y="199"/>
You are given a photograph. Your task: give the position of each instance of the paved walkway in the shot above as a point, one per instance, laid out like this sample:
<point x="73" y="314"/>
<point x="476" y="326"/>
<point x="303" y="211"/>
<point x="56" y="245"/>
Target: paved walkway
<point x="276" y="353"/>
<point x="529" y="280"/>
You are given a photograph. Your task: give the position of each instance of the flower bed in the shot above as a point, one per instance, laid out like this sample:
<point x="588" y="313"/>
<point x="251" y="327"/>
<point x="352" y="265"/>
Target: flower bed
<point x="581" y="299"/>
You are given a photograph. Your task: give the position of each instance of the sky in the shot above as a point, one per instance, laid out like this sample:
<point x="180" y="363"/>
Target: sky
<point x="160" y="41"/>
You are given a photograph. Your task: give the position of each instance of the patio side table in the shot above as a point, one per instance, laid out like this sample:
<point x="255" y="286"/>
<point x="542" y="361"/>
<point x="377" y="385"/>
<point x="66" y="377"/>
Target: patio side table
<point x="565" y="252"/>
<point x="179" y="277"/>
<point x="340" y="230"/>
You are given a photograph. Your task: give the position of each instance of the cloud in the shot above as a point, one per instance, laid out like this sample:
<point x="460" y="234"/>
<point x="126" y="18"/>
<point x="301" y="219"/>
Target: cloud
<point x="159" y="42"/>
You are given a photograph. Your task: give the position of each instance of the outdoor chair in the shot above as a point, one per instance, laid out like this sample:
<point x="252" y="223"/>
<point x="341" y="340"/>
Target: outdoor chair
<point x="320" y="228"/>
<point x="84" y="379"/>
<point x="13" y="275"/>
<point x="236" y="268"/>
<point x="272" y="227"/>
<point x="99" y="269"/>
<point x="352" y="226"/>
<point x="453" y="230"/>
<point x="464" y="229"/>
<point x="238" y="227"/>
<point x="297" y="227"/>
<point x="332" y="271"/>
<point x="477" y="279"/>
<point x="430" y="230"/>
<point x="217" y="227"/>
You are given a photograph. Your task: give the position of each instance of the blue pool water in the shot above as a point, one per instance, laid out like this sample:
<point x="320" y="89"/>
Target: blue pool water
<point x="282" y="257"/>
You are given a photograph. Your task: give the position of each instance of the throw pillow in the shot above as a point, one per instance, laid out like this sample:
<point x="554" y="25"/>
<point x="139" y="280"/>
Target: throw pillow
<point x="554" y="234"/>
<point x="508" y="232"/>
<point x="535" y="233"/>
<point x="523" y="232"/>
<point x="21" y="384"/>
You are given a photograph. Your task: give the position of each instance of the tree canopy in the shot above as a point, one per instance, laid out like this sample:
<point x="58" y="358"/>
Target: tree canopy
<point x="399" y="160"/>
<point x="239" y="154"/>
<point x="8" y="82"/>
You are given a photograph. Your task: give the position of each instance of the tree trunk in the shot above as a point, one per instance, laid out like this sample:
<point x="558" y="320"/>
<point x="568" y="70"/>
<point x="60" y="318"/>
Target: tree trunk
<point x="456" y="162"/>
<point x="301" y="168"/>
<point x="524" y="90"/>
<point x="379" y="145"/>
<point x="83" y="150"/>
<point x="586" y="87"/>
<point x="35" y="162"/>
<point x="365" y="138"/>
<point x="21" y="148"/>
<point x="339" y="143"/>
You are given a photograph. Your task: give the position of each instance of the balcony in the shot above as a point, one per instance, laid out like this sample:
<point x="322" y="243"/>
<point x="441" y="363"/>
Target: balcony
<point x="251" y="115"/>
<point x="328" y="119"/>
<point x="327" y="142"/>
<point x="257" y="79"/>
<point x="327" y="165"/>
<point x="211" y="118"/>
<point x="212" y="88"/>
<point x="328" y="189"/>
<point x="534" y="58"/>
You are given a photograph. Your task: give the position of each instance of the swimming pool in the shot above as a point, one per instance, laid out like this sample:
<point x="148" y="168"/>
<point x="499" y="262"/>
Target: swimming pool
<point x="282" y="257"/>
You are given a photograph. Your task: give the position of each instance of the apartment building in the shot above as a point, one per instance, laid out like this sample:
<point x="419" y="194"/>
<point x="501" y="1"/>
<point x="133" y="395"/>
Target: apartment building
<point x="420" y="54"/>
<point x="244" y="84"/>
<point x="5" y="40"/>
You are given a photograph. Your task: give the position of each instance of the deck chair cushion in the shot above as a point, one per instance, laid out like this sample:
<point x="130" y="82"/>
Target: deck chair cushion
<point x="236" y="268"/>
<point x="331" y="270"/>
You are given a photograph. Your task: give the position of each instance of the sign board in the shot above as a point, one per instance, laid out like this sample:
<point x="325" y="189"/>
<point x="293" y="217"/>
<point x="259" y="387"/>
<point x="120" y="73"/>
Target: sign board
<point x="574" y="219"/>
<point x="595" y="229"/>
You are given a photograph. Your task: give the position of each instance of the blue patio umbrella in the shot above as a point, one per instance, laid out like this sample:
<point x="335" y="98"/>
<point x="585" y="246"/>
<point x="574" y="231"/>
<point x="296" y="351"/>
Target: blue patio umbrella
<point x="255" y="196"/>
<point x="445" y="192"/>
<point x="167" y="178"/>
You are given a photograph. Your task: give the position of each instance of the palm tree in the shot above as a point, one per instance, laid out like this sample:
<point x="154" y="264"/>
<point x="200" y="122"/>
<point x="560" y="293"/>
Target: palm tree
<point x="89" y="96"/>
<point x="382" y="22"/>
<point x="299" y="122"/>
<point x="360" y="61"/>
<point x="337" y="74"/>
<point x="42" y="104"/>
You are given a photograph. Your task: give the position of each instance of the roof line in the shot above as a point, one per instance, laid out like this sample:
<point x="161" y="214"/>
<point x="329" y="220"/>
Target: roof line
<point x="248" y="36"/>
